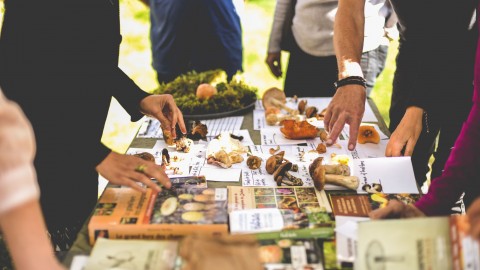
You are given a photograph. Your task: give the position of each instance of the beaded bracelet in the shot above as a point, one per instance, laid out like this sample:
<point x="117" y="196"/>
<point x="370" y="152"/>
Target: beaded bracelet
<point x="350" y="80"/>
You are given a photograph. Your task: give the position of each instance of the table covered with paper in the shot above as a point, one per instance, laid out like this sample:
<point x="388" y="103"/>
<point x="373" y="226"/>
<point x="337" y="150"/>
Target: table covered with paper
<point x="296" y="224"/>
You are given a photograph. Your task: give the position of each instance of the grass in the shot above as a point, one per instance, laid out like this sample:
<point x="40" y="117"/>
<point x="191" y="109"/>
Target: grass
<point x="257" y="15"/>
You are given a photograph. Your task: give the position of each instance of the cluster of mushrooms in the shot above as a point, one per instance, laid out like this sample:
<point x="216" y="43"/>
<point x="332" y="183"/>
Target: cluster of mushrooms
<point x="280" y="167"/>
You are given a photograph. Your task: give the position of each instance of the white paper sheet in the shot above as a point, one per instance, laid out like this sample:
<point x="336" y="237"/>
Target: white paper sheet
<point x="346" y="237"/>
<point x="247" y="140"/>
<point x="217" y="126"/>
<point x="221" y="174"/>
<point x="256" y="220"/>
<point x="395" y="174"/>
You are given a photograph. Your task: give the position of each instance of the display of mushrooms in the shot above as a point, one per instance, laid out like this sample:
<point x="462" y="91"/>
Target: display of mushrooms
<point x="183" y="144"/>
<point x="281" y="175"/>
<point x="199" y="131"/>
<point x="331" y="174"/>
<point x="225" y="151"/>
<point x="273" y="101"/>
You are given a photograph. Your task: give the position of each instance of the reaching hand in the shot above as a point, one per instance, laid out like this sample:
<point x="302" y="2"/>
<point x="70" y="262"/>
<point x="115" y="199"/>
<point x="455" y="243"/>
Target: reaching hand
<point x="396" y="209"/>
<point x="346" y="107"/>
<point x="127" y="170"/>
<point x="274" y="63"/>
<point x="163" y="108"/>
<point x="473" y="213"/>
<point x="406" y="134"/>
<point x="17" y="141"/>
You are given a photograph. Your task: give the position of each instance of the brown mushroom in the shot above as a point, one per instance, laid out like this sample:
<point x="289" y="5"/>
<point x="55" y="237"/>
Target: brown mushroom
<point x="282" y="172"/>
<point x="320" y="177"/>
<point x="274" y="161"/>
<point x="339" y="169"/>
<point x="302" y="105"/>
<point x="321" y="148"/>
<point x="275" y="97"/>
<point x="165" y="157"/>
<point x="199" y="131"/>
<point x="323" y="135"/>
<point x="311" y="111"/>
<point x="272" y="150"/>
<point x="368" y="134"/>
<point x="254" y="162"/>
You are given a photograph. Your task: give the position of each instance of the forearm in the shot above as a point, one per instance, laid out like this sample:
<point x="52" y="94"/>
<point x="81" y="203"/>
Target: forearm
<point x="281" y="10"/>
<point x="460" y="173"/>
<point x="348" y="37"/>
<point x="26" y="236"/>
<point x="128" y="94"/>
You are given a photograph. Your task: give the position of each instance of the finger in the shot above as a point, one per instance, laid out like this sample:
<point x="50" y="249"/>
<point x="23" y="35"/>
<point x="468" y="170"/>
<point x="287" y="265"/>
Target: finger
<point x="410" y="146"/>
<point x="397" y="149"/>
<point x="380" y="213"/>
<point x="142" y="178"/>
<point x="352" y="141"/>
<point x="181" y="122"/>
<point x="159" y="174"/>
<point x="326" y="119"/>
<point x="388" y="150"/>
<point x="336" y="129"/>
<point x="133" y="184"/>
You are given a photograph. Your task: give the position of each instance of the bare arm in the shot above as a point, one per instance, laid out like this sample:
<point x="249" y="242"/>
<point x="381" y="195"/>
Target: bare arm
<point x="348" y="103"/>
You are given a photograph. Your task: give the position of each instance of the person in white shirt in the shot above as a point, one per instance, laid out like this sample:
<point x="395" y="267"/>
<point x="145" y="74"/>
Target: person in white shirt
<point x="305" y="29"/>
<point x="21" y="220"/>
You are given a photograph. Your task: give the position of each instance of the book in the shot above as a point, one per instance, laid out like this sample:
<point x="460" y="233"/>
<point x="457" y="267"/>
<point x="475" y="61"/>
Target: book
<point x="359" y="205"/>
<point x="417" y="243"/>
<point x="132" y="254"/>
<point x="270" y="212"/>
<point x="124" y="213"/>
<point x="286" y="253"/>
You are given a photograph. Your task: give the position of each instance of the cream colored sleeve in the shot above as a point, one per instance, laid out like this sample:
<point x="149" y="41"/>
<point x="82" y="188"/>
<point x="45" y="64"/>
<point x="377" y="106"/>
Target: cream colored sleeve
<point x="18" y="186"/>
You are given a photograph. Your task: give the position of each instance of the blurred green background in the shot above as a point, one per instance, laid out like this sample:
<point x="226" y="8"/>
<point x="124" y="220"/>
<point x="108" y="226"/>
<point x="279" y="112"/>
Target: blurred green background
<point x="256" y="15"/>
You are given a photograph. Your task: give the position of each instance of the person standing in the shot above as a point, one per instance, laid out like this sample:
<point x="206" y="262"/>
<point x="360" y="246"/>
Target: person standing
<point x="305" y="29"/>
<point x="195" y="35"/>
<point x="59" y="62"/>
<point x="432" y="84"/>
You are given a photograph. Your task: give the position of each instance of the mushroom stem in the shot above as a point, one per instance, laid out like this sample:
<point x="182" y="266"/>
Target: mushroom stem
<point x="338" y="169"/>
<point x="278" y="103"/>
<point x="350" y="182"/>
<point x="294" y="180"/>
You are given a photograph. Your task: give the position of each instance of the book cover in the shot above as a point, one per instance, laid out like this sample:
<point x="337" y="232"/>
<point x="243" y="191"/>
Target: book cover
<point x="124" y="213"/>
<point x="285" y="253"/>
<point x="359" y="205"/>
<point x="132" y="254"/>
<point x="269" y="211"/>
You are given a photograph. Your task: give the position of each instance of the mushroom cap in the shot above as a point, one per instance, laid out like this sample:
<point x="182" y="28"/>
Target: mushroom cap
<point x="319" y="177"/>
<point x="302" y="105"/>
<point x="315" y="163"/>
<point x="271" y="164"/>
<point x="377" y="187"/>
<point x="273" y="93"/>
<point x="280" y="172"/>
<point x="366" y="186"/>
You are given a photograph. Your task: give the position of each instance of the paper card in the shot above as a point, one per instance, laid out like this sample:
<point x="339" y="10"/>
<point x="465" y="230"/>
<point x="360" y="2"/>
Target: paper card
<point x="367" y="150"/>
<point x="256" y="220"/>
<point x="150" y="128"/>
<point x="79" y="262"/>
<point x="395" y="174"/>
<point x="346" y="130"/>
<point x="275" y="137"/>
<point x="219" y="125"/>
<point x="246" y="141"/>
<point x="346" y="229"/>
<point x="221" y="174"/>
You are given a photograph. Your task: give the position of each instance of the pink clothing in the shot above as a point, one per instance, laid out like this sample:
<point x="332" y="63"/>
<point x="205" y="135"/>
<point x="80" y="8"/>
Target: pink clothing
<point x="462" y="170"/>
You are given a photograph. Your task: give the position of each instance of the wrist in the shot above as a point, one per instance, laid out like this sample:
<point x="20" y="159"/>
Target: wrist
<point x="356" y="80"/>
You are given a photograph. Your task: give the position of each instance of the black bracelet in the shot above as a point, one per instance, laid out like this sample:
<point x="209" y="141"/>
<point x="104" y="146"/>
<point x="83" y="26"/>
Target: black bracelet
<point x="350" y="80"/>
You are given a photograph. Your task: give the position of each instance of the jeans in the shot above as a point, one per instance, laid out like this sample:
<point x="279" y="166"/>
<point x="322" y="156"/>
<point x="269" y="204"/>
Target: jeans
<point x="373" y="63"/>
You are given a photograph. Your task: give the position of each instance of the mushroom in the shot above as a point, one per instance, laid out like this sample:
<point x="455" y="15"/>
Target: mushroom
<point x="165" y="157"/>
<point x="221" y="159"/>
<point x="274" y="161"/>
<point x="205" y="91"/>
<point x="338" y="169"/>
<point x="183" y="144"/>
<point x="199" y="131"/>
<point x="282" y="171"/>
<point x="377" y="187"/>
<point x="368" y="134"/>
<point x="302" y="105"/>
<point x="272" y="150"/>
<point x="321" y="148"/>
<point x="275" y="97"/>
<point x="323" y="135"/>
<point x="320" y="177"/>
<point x="311" y="111"/>
<point x="367" y="188"/>
<point x="254" y="162"/>
<point x="235" y="157"/>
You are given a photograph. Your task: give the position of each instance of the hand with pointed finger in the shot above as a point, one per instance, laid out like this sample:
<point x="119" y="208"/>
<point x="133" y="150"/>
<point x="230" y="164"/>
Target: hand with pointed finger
<point x="274" y="63"/>
<point x="163" y="108"/>
<point x="396" y="209"/>
<point x="406" y="134"/>
<point x="127" y="170"/>
<point x="473" y="213"/>
<point x="346" y="107"/>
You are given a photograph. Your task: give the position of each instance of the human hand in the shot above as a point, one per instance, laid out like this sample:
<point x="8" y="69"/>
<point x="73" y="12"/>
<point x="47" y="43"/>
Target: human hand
<point x="163" y="108"/>
<point x="127" y="170"/>
<point x="17" y="140"/>
<point x="346" y="107"/>
<point x="406" y="134"/>
<point x="274" y="63"/>
<point x="396" y="209"/>
<point x="473" y="213"/>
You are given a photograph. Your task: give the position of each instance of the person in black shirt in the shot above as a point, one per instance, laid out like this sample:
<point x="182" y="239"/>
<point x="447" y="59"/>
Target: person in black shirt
<point x="59" y="61"/>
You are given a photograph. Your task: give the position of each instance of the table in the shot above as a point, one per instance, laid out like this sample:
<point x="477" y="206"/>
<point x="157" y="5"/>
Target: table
<point x="81" y="245"/>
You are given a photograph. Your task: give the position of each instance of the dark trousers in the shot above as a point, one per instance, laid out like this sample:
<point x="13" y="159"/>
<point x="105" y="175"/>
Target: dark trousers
<point x="308" y="75"/>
